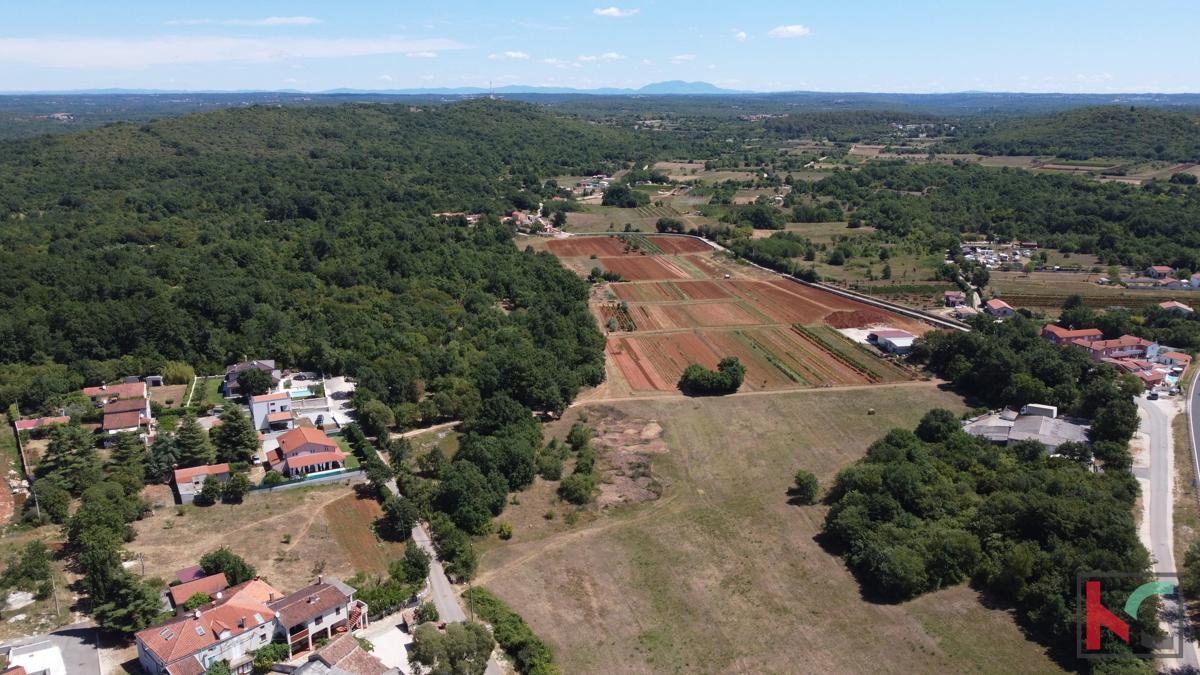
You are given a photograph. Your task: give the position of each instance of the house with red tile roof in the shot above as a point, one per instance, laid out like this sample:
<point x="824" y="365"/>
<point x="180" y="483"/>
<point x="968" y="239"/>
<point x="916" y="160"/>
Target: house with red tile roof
<point x="125" y="422"/>
<point x="1126" y="346"/>
<point x="1159" y="271"/>
<point x="1174" y="359"/>
<point x="228" y="628"/>
<point x="210" y="586"/>
<point x="1176" y="306"/>
<point x="999" y="308"/>
<point x="105" y="392"/>
<point x="1065" y="336"/>
<point x="248" y="616"/>
<point x="343" y="654"/>
<point x="306" y="450"/>
<point x="41" y="422"/>
<point x="189" y="482"/>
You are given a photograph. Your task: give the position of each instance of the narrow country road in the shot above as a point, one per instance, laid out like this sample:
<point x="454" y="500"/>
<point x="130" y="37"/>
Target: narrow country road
<point x="442" y="593"/>
<point x="1162" y="473"/>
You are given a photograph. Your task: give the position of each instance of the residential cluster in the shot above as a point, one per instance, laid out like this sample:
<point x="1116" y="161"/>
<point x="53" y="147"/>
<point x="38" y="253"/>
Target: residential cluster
<point x="1034" y="422"/>
<point x="241" y="619"/>
<point x="1155" y="366"/>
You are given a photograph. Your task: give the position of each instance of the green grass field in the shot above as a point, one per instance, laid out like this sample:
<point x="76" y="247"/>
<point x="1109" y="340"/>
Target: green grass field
<point x="721" y="574"/>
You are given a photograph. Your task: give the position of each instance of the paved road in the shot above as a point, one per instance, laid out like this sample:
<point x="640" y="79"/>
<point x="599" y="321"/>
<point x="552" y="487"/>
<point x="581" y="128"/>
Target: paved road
<point x="1162" y="464"/>
<point x="442" y="593"/>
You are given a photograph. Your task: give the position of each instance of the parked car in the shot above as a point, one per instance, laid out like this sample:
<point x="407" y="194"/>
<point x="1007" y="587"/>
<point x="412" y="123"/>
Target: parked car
<point x="1152" y="396"/>
<point x="320" y="420"/>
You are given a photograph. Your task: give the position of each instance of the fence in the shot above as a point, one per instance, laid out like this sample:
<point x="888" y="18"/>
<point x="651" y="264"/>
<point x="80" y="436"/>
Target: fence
<point x="325" y="479"/>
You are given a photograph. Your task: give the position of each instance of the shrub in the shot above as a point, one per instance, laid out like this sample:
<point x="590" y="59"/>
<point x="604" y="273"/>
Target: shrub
<point x="806" y="487"/>
<point x="577" y="488"/>
<point x="427" y="612"/>
<point x="514" y="635"/>
<point x="197" y="600"/>
<point x="505" y="531"/>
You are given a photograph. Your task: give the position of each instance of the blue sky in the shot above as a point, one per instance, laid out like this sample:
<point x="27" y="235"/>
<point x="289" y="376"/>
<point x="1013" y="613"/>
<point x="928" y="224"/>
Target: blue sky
<point x="850" y="45"/>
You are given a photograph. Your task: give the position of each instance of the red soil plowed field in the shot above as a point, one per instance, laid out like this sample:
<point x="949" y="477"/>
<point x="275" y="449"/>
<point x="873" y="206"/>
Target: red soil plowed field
<point x="703" y="315"/>
<point x="670" y="291"/>
<point x="576" y="247"/>
<point x="643" y="268"/>
<point x="859" y="318"/>
<point x="789" y="302"/>
<point x="637" y="369"/>
<point x="812" y="361"/>
<point x="680" y="244"/>
<point x="703" y="266"/>
<point x="760" y="374"/>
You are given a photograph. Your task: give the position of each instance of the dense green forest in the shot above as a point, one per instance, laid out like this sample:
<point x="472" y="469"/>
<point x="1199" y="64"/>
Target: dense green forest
<point x="1102" y="131"/>
<point x="300" y="234"/>
<point x="1153" y="223"/>
<point x="930" y="509"/>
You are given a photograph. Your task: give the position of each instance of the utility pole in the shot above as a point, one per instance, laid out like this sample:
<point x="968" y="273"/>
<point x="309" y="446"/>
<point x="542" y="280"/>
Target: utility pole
<point x="471" y="600"/>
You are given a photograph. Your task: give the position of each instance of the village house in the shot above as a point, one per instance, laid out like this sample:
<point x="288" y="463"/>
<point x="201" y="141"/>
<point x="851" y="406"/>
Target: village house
<point x="1174" y="359"/>
<point x="266" y="365"/>
<point x="244" y="618"/>
<point x="1159" y="271"/>
<point x="272" y="412"/>
<point x="305" y="450"/>
<point x="954" y="298"/>
<point x="1175" y="306"/>
<point x="1194" y="281"/>
<point x="126" y="415"/>
<point x="105" y="393"/>
<point x="210" y="586"/>
<point x="344" y="656"/>
<point x="1173" y="284"/>
<point x="999" y="308"/>
<point x="962" y="312"/>
<point x="41" y="423"/>
<point x="1065" y="336"/>
<point x="1126" y="346"/>
<point x="189" y="482"/>
<point x="892" y="341"/>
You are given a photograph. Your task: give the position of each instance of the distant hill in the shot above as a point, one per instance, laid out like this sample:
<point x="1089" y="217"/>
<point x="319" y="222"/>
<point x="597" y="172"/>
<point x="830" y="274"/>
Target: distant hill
<point x="1102" y="131"/>
<point x="674" y="87"/>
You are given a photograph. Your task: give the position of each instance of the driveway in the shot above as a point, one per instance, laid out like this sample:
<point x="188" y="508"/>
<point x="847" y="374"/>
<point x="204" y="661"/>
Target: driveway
<point x="337" y="392"/>
<point x="76" y="647"/>
<point x="390" y="642"/>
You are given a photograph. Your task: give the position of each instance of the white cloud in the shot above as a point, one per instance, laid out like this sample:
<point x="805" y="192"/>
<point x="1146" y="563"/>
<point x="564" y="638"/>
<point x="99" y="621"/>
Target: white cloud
<point x="587" y="58"/>
<point x="509" y="55"/>
<point x="647" y="62"/>
<point x="615" y="12"/>
<point x="789" y="32"/>
<point x="87" y="52"/>
<point x="426" y="78"/>
<point x="422" y="55"/>
<point x="1094" y="78"/>
<point x="683" y="58"/>
<point x="269" y="21"/>
<point x="612" y="56"/>
<point x="740" y="35"/>
<point x="387" y="78"/>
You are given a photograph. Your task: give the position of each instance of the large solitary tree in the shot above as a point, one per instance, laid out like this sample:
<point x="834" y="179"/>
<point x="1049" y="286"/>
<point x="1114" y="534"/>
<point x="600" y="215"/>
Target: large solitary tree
<point x="235" y="438"/>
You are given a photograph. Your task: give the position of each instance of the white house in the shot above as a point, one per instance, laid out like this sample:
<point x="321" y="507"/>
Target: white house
<point x="999" y="308"/>
<point x="244" y="618"/>
<point x="272" y="412"/>
<point x="892" y="341"/>
<point x="1159" y="271"/>
<point x="189" y="482"/>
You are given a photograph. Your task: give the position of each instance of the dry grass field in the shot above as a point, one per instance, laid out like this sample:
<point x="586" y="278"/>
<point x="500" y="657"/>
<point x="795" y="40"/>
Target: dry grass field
<point x="255" y="530"/>
<point x="350" y="520"/>
<point x="722" y="575"/>
<point x="175" y="393"/>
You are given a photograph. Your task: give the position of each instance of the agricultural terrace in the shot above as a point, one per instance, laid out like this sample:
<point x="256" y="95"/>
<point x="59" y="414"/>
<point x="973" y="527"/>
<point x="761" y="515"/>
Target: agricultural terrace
<point x="721" y="574"/>
<point x="681" y="303"/>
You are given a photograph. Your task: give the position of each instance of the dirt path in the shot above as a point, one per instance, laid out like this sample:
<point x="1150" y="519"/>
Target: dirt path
<point x="418" y="432"/>
<point x="582" y="400"/>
